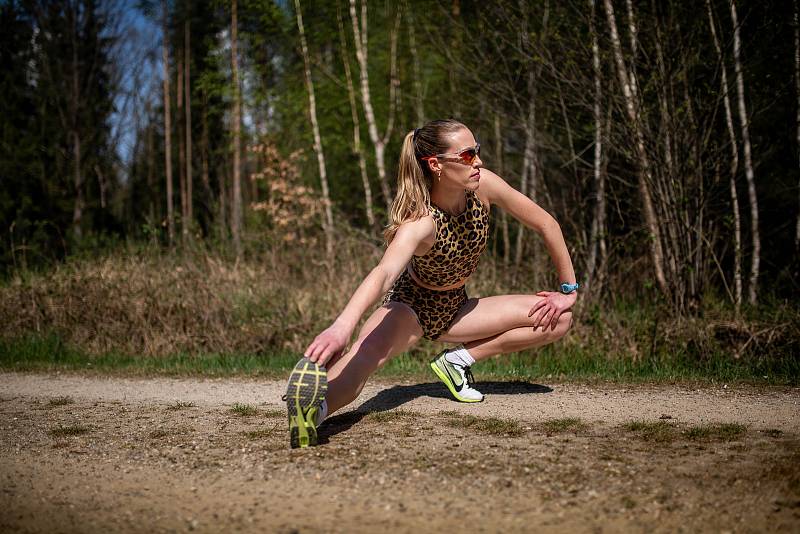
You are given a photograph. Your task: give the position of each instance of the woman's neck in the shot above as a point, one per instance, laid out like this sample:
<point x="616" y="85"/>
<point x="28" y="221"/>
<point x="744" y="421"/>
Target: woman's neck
<point x="449" y="199"/>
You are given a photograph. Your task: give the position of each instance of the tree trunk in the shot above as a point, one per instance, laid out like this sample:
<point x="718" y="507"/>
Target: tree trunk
<point x="737" y="223"/>
<point x="360" y="39"/>
<point x="187" y="226"/>
<point x="204" y="155"/>
<point x="419" y="104"/>
<point x="167" y="127"/>
<point x="181" y="144"/>
<point x="358" y="151"/>
<point x="597" y="233"/>
<point x="77" y="210"/>
<point x="748" y="163"/>
<point x="498" y="140"/>
<point x="645" y="177"/>
<point x="797" y="89"/>
<point x="236" y="201"/>
<point x="312" y="109"/>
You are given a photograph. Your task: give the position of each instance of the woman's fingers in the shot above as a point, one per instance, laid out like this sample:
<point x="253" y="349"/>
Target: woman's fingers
<point x="545" y="322"/>
<point x="554" y="320"/>
<point x="537" y="319"/>
<point x="536" y="306"/>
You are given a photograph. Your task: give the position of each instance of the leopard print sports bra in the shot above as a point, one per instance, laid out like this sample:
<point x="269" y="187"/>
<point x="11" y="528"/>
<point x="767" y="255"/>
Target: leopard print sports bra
<point x="460" y="240"/>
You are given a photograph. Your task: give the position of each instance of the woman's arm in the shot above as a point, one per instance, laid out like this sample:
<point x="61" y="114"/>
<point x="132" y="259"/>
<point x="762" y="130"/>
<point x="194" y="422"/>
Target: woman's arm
<point x="531" y="215"/>
<point x="332" y="341"/>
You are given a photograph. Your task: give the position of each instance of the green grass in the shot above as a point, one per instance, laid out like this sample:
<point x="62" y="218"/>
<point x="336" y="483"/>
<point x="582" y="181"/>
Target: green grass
<point x="244" y="410"/>
<point x="560" y="362"/>
<point x="716" y="432"/>
<point x="70" y="430"/>
<point x="484" y="425"/>
<point x="391" y="415"/>
<point x="566" y="424"/>
<point x="658" y="431"/>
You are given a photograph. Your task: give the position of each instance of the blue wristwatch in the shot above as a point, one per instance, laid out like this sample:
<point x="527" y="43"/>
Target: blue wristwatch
<point x="569" y="288"/>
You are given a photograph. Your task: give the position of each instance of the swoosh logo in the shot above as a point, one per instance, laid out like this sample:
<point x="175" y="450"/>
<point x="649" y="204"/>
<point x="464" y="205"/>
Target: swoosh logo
<point x="458" y="386"/>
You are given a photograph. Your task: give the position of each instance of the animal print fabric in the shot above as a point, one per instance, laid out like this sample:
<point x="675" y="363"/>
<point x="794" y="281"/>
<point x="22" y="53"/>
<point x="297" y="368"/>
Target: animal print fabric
<point x="460" y="241"/>
<point x="435" y="309"/>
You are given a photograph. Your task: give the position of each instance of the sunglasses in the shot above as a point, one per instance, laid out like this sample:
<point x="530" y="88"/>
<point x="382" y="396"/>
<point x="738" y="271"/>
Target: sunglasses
<point x="466" y="156"/>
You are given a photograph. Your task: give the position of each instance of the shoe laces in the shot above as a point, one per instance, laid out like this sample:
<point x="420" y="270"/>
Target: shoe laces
<point x="468" y="376"/>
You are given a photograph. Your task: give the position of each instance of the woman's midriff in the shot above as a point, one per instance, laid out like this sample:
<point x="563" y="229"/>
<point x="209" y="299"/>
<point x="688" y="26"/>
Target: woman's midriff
<point x="420" y="283"/>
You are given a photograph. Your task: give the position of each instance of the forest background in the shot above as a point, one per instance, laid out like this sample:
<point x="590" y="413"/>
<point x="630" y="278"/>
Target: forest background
<point x="199" y="186"/>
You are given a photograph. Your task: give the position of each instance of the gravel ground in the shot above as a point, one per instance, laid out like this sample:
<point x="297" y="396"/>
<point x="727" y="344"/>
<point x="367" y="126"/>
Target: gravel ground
<point x="88" y="453"/>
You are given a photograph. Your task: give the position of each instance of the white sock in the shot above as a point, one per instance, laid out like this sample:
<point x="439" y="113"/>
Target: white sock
<point x="459" y="356"/>
<point x="322" y="413"/>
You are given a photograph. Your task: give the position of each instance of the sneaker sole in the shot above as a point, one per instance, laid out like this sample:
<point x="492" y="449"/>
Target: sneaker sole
<point x="447" y="382"/>
<point x="307" y="386"/>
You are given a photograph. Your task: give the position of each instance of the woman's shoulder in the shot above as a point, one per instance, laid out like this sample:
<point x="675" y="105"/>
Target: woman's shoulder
<point x="423" y="226"/>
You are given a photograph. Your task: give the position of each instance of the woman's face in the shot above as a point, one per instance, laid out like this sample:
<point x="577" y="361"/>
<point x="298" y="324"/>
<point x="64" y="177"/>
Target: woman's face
<point x="454" y="169"/>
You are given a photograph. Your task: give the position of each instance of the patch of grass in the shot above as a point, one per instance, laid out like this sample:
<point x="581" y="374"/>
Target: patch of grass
<point x="565" y="361"/>
<point x="658" y="431"/>
<point x="485" y="425"/>
<point x="391" y="415"/>
<point x="70" y="430"/>
<point x="60" y="401"/>
<point x="716" y="431"/>
<point x="244" y="410"/>
<point x="773" y="432"/>
<point x="554" y="426"/>
<point x="180" y="405"/>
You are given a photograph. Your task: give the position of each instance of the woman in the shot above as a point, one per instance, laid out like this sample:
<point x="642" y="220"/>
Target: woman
<point x="439" y="226"/>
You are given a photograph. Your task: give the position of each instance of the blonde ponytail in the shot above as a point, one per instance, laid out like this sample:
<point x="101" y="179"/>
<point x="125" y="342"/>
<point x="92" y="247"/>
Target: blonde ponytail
<point x="413" y="190"/>
<point x="414" y="177"/>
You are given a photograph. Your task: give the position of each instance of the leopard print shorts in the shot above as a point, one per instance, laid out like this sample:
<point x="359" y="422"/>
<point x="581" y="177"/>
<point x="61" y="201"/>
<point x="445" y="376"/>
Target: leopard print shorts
<point x="435" y="309"/>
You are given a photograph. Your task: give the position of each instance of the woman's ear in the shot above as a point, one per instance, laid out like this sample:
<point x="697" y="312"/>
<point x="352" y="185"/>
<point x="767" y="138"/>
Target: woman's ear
<point x="434" y="165"/>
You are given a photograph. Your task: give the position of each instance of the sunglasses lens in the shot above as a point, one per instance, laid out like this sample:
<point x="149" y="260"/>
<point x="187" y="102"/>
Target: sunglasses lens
<point x="469" y="155"/>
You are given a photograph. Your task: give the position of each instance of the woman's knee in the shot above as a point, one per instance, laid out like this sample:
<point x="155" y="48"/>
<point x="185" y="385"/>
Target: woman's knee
<point x="563" y="325"/>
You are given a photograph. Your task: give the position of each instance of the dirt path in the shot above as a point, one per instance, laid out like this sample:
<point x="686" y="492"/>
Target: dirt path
<point x="99" y="454"/>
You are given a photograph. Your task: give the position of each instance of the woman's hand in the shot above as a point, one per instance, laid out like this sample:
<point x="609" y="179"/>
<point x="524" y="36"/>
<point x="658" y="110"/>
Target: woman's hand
<point x="329" y="344"/>
<point x="547" y="311"/>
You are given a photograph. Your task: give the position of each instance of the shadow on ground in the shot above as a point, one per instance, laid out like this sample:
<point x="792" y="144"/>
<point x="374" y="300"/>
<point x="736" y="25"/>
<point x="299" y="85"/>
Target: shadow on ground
<point x="396" y="396"/>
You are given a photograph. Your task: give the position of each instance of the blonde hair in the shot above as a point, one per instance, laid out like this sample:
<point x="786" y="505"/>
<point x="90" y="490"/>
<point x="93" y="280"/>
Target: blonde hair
<point x="414" y="176"/>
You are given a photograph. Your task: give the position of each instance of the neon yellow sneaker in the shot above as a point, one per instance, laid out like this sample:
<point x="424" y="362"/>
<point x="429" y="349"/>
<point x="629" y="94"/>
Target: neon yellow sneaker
<point x="457" y="378"/>
<point x="304" y="395"/>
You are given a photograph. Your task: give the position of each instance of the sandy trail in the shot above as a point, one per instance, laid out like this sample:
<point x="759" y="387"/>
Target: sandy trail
<point x="770" y="408"/>
<point x="89" y="453"/>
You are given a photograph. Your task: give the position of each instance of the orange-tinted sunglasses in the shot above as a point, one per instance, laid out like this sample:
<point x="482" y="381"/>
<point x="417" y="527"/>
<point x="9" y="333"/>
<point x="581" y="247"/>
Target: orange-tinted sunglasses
<point x="466" y="156"/>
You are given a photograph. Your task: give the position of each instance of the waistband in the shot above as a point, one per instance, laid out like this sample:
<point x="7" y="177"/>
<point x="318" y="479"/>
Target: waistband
<point x="415" y="278"/>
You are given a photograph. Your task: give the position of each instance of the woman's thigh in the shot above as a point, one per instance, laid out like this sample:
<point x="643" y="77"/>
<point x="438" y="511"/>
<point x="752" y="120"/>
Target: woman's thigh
<point x="480" y="318"/>
<point x="390" y="330"/>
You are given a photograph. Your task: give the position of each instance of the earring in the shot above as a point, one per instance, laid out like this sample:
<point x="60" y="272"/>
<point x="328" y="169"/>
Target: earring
<point x="439" y="175"/>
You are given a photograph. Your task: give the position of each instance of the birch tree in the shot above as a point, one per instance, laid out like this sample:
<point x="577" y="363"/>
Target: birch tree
<point x="378" y="141"/>
<point x="597" y="242"/>
<point x="312" y="109"/>
<point x="734" y="167"/>
<point x="748" y="163"/>
<point x="645" y="175"/>
<point x="358" y="150"/>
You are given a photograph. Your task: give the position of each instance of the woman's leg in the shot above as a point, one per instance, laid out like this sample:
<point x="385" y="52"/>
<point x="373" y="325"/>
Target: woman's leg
<point x="389" y="331"/>
<point x="500" y="324"/>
